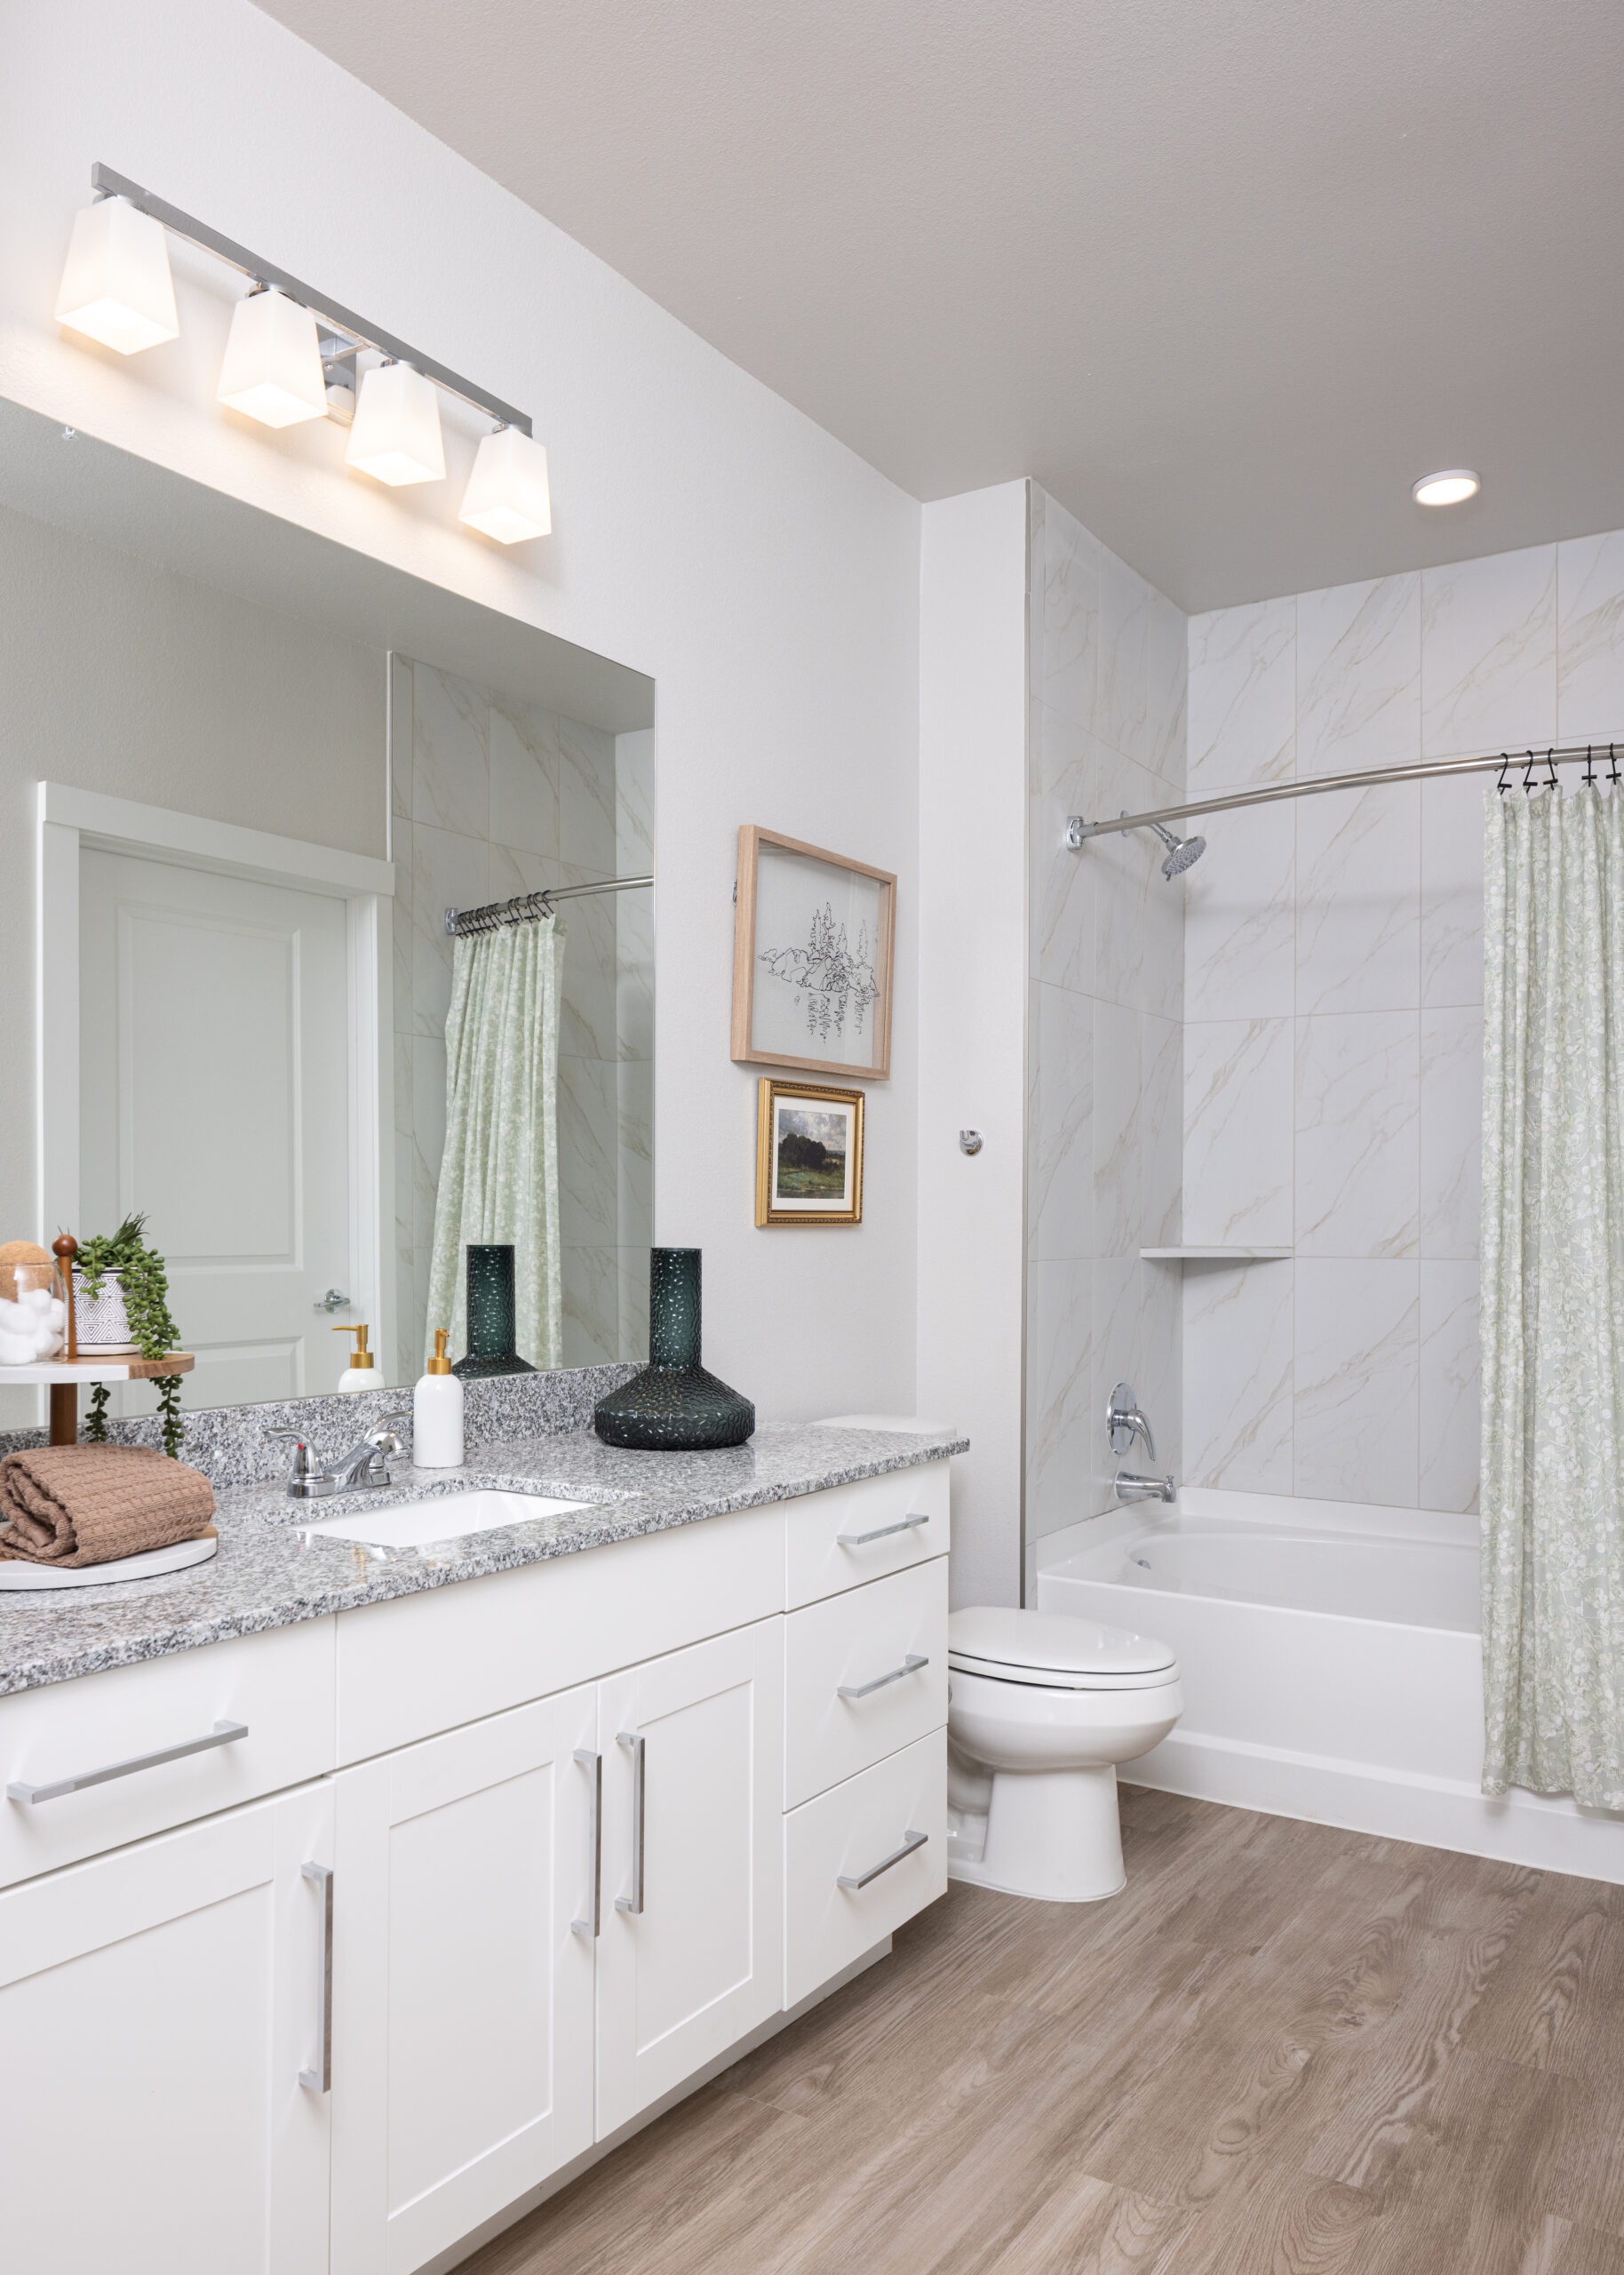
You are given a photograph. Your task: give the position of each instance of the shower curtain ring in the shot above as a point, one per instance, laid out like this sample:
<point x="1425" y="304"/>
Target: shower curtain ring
<point x="1613" y="761"/>
<point x="1590" y="774"/>
<point x="1550" y="763"/>
<point x="1505" y="761"/>
<point x="1528" y="775"/>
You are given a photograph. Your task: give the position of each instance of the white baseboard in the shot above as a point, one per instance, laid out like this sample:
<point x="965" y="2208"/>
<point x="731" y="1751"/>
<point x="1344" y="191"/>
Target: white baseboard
<point x="1517" y="1828"/>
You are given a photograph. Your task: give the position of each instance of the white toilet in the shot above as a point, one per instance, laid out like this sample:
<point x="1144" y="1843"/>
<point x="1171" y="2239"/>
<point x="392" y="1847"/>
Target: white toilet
<point x="1041" y="1709"/>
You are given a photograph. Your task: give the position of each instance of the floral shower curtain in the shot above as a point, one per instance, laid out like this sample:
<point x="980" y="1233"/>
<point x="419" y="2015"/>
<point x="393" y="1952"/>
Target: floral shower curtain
<point x="1553" y="1295"/>
<point x="498" y="1178"/>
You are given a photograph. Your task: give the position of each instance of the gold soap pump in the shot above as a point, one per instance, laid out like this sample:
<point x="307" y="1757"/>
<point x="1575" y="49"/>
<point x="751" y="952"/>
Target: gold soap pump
<point x="363" y="1371"/>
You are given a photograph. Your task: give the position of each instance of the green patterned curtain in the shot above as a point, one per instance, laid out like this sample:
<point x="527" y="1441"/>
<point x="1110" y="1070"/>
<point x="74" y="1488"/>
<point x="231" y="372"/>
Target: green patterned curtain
<point x="1553" y="1295"/>
<point x="498" y="1178"/>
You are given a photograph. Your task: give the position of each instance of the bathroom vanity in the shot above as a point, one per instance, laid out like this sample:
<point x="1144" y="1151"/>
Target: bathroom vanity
<point x="351" y="1899"/>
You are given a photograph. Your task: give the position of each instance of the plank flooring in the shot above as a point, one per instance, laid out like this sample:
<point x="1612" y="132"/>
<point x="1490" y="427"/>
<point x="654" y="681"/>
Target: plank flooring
<point x="1284" y="2050"/>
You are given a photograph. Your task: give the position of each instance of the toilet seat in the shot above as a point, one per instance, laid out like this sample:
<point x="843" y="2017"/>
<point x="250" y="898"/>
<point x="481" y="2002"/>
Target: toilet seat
<point x="1052" y="1651"/>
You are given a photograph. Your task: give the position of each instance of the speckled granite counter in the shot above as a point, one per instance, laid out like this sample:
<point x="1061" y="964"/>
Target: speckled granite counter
<point x="266" y="1576"/>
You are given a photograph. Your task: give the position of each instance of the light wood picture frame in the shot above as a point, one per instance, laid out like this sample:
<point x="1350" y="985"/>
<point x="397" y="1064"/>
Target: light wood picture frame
<point x="812" y="958"/>
<point x="808" y="1154"/>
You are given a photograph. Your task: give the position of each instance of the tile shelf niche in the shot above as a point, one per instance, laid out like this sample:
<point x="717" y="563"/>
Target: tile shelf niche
<point x="1207" y="1252"/>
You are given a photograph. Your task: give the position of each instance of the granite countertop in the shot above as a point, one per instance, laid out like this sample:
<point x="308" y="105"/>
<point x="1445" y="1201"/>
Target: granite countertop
<point x="266" y="1576"/>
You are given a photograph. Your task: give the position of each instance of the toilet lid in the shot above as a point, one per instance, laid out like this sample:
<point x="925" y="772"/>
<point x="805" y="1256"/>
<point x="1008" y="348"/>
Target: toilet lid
<point x="1051" y="1648"/>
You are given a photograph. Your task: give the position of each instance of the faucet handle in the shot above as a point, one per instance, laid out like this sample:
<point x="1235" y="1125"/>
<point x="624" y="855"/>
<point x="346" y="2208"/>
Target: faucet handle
<point x="383" y="1430"/>
<point x="301" y="1468"/>
<point x="1124" y="1422"/>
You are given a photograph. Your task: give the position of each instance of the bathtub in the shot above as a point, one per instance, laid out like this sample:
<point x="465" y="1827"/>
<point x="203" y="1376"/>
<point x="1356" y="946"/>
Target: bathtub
<point x="1330" y="1652"/>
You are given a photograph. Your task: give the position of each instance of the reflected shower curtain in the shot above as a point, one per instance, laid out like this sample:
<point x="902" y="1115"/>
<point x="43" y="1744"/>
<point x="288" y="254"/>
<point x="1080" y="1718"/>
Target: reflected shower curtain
<point x="1553" y="1295"/>
<point x="499" y="1177"/>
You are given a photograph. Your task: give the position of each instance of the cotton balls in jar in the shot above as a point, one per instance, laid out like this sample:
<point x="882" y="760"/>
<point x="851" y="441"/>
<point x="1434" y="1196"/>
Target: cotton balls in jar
<point x="32" y="1318"/>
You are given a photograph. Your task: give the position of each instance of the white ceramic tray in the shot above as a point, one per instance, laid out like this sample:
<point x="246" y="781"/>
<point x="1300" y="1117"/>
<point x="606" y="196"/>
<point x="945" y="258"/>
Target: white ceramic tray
<point x="15" y="1573"/>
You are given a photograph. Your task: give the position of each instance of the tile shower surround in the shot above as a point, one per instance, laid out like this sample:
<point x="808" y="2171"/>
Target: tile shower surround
<point x="490" y="798"/>
<point x="1107" y="662"/>
<point x="1333" y="1001"/>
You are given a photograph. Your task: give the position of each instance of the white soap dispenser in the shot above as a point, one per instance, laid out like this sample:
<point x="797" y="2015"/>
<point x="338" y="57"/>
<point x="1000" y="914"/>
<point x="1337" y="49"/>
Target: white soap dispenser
<point x="436" y="1412"/>
<point x="362" y="1373"/>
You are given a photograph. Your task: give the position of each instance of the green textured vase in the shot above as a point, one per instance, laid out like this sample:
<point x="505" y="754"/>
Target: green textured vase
<point x="492" y="1314"/>
<point x="673" y="1406"/>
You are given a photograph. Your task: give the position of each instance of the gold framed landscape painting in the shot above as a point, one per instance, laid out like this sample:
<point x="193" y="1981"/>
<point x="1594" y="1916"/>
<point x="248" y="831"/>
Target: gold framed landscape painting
<point x="808" y="1154"/>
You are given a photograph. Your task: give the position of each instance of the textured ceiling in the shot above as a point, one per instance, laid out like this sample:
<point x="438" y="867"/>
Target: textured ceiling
<point x="1224" y="276"/>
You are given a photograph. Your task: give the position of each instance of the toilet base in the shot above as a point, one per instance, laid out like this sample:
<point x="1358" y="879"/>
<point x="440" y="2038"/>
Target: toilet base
<point x="1052" y="1834"/>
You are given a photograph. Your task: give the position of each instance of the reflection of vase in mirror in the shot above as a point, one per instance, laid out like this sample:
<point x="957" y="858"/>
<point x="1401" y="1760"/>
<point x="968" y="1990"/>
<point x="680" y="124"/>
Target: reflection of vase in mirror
<point x="492" y="1314"/>
<point x="673" y="1406"/>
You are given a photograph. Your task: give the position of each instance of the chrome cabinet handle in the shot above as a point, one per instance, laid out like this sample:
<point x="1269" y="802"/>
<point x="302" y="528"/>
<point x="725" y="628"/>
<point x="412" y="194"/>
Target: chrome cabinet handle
<point x="634" y="1901"/>
<point x="910" y="1841"/>
<point x="910" y="1666"/>
<point x="881" y="1532"/>
<point x="222" y="1734"/>
<point x="320" y="2078"/>
<point x="594" y="1762"/>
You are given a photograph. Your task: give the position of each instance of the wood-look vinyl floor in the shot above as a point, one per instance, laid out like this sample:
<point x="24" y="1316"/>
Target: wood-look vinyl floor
<point x="1284" y="2050"/>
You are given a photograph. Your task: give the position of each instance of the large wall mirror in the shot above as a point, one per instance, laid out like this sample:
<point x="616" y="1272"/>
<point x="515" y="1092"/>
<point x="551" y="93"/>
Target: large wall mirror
<point x="247" y="774"/>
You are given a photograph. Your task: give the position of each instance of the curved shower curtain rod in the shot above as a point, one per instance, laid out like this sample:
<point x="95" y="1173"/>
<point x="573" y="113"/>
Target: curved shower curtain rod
<point x="1522" y="764"/>
<point x="527" y="907"/>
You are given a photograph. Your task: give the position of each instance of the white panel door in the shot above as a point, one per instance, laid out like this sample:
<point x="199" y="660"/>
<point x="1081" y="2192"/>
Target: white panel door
<point x="156" y="2008"/>
<point x="463" y="2002"/>
<point x="214" y="1092"/>
<point x="689" y="1959"/>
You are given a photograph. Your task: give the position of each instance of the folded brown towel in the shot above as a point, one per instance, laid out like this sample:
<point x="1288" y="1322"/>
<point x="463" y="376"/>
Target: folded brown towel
<point x="88" y="1504"/>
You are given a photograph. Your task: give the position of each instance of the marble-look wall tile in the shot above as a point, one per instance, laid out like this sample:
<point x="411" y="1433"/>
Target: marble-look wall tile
<point x="1452" y="889"/>
<point x="1237" y="1375"/>
<point x="635" y="974"/>
<point x="1060" y="1202"/>
<point x="1489" y="652"/>
<point x="402" y="950"/>
<point x="450" y="775"/>
<point x="1355" y="1399"/>
<point x="586" y="798"/>
<point x="1060" y="1387"/>
<point x="1242" y="697"/>
<point x="1590" y="638"/>
<point x="524" y="766"/>
<point x="1240" y="956"/>
<point x="1161" y="1130"/>
<point x="591" y="1320"/>
<point x="1166" y="690"/>
<point x="1358" y="899"/>
<point x="1068" y="633"/>
<point x="634" y="813"/>
<point x="1237" y="1131"/>
<point x="1121" y="716"/>
<point x="1358" y="675"/>
<point x="1161" y="1363"/>
<point x="402" y="673"/>
<point x="448" y="872"/>
<point x="1358" y="1113"/>
<point x="589" y="1024"/>
<point x="428" y="1100"/>
<point x="1450" y="1422"/>
<point x="1451" y="1131"/>
<point x="1117" y="1151"/>
<point x="1063" y="899"/>
<point x="588" y="1132"/>
<point x="634" y="1278"/>
<point x="1117" y="1346"/>
<point x="634" y="1092"/>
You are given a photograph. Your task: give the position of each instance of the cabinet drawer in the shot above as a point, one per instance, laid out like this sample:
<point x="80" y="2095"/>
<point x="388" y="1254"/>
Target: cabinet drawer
<point x="850" y="1696"/>
<point x="280" y="1685"/>
<point x="844" y="1835"/>
<point x="853" y="1533"/>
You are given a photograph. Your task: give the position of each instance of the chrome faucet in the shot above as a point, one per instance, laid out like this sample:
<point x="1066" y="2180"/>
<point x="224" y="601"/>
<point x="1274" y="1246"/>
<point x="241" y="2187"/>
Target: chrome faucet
<point x="365" y="1467"/>
<point x="1131" y="1487"/>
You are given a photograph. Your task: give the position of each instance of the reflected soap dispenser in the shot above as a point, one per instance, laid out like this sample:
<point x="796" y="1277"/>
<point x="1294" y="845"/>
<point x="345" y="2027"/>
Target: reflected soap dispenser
<point x="362" y="1373"/>
<point x="436" y="1412"/>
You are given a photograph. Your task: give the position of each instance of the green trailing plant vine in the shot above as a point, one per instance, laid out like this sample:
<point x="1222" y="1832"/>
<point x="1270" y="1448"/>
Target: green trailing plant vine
<point x="145" y="1285"/>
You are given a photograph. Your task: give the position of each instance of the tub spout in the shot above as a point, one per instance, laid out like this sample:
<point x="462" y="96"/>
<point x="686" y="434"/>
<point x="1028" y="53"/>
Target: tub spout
<point x="1131" y="1487"/>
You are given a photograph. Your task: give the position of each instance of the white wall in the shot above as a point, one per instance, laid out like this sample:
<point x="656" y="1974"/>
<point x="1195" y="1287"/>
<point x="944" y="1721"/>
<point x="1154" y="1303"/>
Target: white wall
<point x="972" y="939"/>
<point x="705" y="532"/>
<point x="1333" y="986"/>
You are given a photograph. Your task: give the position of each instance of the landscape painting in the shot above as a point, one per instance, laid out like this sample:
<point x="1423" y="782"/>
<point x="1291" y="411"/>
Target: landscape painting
<point x="809" y="1155"/>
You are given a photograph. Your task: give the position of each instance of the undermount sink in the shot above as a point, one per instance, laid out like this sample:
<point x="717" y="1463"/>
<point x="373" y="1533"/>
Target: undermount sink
<point x="446" y="1516"/>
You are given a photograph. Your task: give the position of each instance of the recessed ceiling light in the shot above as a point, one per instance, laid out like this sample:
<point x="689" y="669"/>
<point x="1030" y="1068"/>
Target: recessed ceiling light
<point x="1449" y="489"/>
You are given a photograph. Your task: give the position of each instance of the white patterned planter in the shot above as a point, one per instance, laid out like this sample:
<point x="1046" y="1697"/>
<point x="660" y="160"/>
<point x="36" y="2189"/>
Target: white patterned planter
<point x="102" y="1323"/>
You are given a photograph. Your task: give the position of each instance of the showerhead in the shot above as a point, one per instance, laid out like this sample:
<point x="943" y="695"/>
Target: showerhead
<point x="1182" y="852"/>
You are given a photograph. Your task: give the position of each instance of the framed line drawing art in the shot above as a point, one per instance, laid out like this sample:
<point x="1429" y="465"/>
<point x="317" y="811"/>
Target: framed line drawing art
<point x="812" y="936"/>
<point x="808" y="1154"/>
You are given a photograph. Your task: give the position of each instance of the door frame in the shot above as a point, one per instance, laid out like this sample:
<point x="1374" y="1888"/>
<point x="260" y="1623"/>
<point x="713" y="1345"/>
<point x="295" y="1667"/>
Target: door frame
<point x="71" y="820"/>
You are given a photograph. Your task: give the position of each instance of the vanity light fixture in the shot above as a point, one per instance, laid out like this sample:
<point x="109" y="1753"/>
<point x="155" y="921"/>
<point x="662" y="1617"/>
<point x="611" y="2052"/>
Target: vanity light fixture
<point x="507" y="496"/>
<point x="292" y="354"/>
<point x="1452" y="488"/>
<point x="116" y="286"/>
<point x="395" y="437"/>
<point x="273" y="366"/>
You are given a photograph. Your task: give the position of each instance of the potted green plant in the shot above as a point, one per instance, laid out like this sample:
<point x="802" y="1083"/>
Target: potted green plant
<point x="138" y="1272"/>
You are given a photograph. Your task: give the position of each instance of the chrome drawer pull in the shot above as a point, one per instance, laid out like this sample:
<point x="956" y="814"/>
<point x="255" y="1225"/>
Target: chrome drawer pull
<point x="319" y="2080"/>
<point x="222" y="1734"/>
<point x="881" y="1532"/>
<point x="634" y="1901"/>
<point x="594" y="1762"/>
<point x="910" y="1666"/>
<point x="910" y="1841"/>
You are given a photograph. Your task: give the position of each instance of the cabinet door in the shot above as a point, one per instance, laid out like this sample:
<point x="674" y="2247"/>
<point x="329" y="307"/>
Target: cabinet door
<point x="693" y="1776"/>
<point x="157" y="2007"/>
<point x="463" y="1998"/>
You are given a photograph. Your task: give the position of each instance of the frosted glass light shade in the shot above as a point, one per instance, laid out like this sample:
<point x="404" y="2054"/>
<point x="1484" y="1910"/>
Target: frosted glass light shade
<point x="273" y="366"/>
<point x="116" y="286"/>
<point x="507" y="496"/>
<point x="396" y="436"/>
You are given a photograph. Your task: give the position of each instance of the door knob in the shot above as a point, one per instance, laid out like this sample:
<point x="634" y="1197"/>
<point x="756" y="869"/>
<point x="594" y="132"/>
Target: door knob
<point x="334" y="1300"/>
